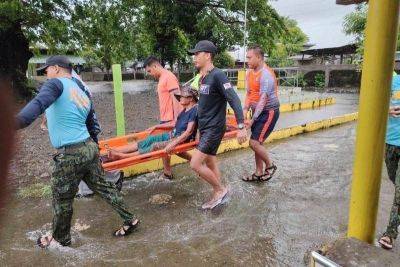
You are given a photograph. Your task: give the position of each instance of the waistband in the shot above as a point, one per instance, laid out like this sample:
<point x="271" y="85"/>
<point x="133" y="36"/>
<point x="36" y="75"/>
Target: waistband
<point x="73" y="146"/>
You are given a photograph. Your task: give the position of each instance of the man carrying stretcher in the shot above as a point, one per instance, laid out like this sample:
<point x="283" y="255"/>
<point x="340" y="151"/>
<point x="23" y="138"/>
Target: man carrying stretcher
<point x="184" y="130"/>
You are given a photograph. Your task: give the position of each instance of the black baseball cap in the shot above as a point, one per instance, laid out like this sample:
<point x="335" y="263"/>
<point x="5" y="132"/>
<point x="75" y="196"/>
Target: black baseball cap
<point x="58" y="60"/>
<point x="204" y="46"/>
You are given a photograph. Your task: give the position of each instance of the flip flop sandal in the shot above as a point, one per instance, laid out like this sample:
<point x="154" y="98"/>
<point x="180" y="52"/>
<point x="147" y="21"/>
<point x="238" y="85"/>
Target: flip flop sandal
<point x="216" y="203"/>
<point x="46" y="243"/>
<point x="267" y="173"/>
<point x="253" y="178"/>
<point x="383" y="241"/>
<point x="126" y="229"/>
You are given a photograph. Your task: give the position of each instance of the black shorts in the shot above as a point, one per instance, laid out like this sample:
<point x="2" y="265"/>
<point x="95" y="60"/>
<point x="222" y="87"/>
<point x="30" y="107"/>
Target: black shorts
<point x="210" y="140"/>
<point x="264" y="124"/>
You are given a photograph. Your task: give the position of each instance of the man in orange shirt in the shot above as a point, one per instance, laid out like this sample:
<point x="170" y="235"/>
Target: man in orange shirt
<point x="169" y="107"/>
<point x="262" y="100"/>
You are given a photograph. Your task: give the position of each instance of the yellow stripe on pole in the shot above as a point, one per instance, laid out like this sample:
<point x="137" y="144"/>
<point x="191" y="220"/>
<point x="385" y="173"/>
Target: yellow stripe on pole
<point x="380" y="43"/>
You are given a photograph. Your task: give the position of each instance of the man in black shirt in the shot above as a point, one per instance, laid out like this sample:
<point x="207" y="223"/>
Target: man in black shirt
<point x="215" y="91"/>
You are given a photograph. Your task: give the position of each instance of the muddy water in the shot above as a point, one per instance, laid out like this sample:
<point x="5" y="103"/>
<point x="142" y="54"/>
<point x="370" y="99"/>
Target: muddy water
<point x="270" y="224"/>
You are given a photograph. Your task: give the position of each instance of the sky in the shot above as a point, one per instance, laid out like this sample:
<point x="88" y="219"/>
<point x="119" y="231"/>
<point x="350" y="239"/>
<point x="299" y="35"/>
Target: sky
<point x="320" y="20"/>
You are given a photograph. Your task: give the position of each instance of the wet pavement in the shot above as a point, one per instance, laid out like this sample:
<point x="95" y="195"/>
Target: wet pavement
<point x="269" y="224"/>
<point x="263" y="224"/>
<point x="345" y="103"/>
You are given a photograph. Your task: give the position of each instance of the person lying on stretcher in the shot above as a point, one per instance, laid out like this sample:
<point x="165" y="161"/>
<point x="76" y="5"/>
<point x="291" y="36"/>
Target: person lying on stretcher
<point x="184" y="130"/>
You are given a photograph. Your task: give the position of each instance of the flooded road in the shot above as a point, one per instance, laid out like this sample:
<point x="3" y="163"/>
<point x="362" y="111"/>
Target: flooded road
<point x="267" y="224"/>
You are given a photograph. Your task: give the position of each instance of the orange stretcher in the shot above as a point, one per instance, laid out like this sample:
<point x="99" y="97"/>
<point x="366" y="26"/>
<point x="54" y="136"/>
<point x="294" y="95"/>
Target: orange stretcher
<point x="231" y="131"/>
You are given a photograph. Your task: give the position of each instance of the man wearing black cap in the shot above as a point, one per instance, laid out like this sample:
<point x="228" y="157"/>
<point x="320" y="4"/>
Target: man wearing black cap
<point x="67" y="109"/>
<point x="215" y="91"/>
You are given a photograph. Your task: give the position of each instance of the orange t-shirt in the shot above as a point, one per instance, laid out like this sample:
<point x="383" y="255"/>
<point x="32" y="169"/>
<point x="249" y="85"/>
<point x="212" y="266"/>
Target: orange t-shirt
<point x="262" y="81"/>
<point x="169" y="106"/>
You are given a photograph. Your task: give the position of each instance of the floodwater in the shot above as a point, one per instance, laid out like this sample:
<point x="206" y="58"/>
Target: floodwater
<point x="262" y="224"/>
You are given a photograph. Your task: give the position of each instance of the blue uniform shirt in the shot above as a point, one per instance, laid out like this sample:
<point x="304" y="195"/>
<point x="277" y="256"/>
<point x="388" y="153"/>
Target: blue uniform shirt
<point x="393" y="127"/>
<point x="67" y="109"/>
<point x="66" y="117"/>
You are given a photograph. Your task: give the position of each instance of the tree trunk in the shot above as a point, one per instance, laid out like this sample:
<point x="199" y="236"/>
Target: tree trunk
<point x="14" y="57"/>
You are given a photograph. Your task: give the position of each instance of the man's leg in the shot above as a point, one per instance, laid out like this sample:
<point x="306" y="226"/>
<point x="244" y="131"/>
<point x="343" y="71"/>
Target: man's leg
<point x="211" y="162"/>
<point x="392" y="160"/>
<point x="261" y="153"/>
<point x="212" y="176"/>
<point x="185" y="155"/>
<point x="64" y="187"/>
<point x="167" y="165"/>
<point x="259" y="162"/>
<point x="107" y="190"/>
<point x="133" y="147"/>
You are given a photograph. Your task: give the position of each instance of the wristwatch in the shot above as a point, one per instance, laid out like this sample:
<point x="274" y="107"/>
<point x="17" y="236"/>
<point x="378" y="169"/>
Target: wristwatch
<point x="241" y="126"/>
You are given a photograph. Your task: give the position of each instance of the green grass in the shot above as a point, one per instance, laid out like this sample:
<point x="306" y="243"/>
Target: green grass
<point x="38" y="190"/>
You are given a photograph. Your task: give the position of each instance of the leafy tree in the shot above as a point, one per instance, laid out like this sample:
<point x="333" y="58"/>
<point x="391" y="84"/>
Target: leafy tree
<point x="224" y="60"/>
<point x="220" y="21"/>
<point x="355" y="23"/>
<point x="25" y="23"/>
<point x="106" y="31"/>
<point x="287" y="45"/>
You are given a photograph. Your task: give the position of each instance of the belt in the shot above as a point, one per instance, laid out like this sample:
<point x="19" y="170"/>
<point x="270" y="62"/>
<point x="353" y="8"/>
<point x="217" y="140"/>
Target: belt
<point x="67" y="148"/>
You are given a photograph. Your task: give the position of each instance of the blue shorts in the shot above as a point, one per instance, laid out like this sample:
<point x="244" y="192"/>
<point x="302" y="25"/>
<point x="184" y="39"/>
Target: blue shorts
<point x="146" y="145"/>
<point x="264" y="125"/>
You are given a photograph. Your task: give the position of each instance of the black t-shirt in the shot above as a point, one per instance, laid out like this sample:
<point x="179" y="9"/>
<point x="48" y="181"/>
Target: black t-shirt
<point x="215" y="91"/>
<point x="183" y="120"/>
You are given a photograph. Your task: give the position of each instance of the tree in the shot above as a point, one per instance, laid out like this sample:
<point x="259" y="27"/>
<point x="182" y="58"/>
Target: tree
<point x="28" y="22"/>
<point x="220" y="21"/>
<point x="355" y="23"/>
<point x="107" y="31"/>
<point x="224" y="60"/>
<point x="287" y="45"/>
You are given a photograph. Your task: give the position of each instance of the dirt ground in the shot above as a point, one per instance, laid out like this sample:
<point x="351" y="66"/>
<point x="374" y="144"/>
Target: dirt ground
<point x="33" y="154"/>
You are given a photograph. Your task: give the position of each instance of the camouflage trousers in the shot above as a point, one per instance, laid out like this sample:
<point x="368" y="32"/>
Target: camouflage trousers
<point x="392" y="161"/>
<point x="70" y="167"/>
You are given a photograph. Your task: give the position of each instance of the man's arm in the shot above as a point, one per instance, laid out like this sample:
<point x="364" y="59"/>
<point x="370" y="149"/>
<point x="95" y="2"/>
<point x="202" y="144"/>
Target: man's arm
<point x="247" y="98"/>
<point x="176" y="105"/>
<point x="233" y="99"/>
<point x="260" y="106"/>
<point x="49" y="93"/>
<point x="181" y="138"/>
<point x="165" y="126"/>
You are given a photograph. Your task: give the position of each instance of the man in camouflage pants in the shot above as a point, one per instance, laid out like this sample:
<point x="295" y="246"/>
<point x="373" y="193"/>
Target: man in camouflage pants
<point x="68" y="110"/>
<point x="392" y="157"/>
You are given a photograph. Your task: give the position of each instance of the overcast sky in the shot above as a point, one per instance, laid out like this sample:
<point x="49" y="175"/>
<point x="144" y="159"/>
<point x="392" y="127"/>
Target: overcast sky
<point x="321" y="20"/>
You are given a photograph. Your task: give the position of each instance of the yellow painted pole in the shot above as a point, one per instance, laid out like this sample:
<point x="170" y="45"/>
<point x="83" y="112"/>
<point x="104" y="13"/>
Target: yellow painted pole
<point x="380" y="44"/>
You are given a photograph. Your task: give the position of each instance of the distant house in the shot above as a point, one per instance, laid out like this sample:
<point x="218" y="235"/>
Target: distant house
<point x="327" y="55"/>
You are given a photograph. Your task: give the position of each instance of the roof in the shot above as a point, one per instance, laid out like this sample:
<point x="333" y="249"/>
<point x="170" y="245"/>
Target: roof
<point x="42" y="59"/>
<point x="301" y="57"/>
<point x="345" y="49"/>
